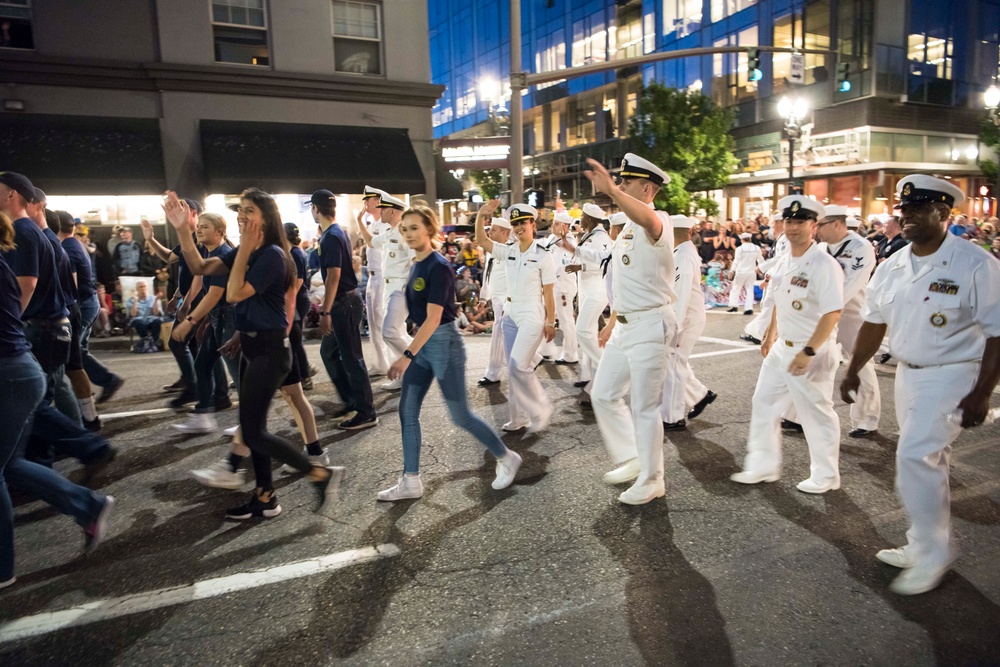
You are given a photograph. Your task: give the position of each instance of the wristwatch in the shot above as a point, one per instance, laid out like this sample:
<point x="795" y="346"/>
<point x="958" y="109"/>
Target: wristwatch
<point x="808" y="351"/>
<point x="191" y="320"/>
<point x="408" y="354"/>
<point x="323" y="313"/>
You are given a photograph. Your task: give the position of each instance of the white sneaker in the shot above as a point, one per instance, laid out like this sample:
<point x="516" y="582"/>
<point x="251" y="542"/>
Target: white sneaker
<point x="392" y="385"/>
<point x="514" y="426"/>
<point x="507" y="466"/>
<point x="231" y="431"/>
<point x="642" y="494"/>
<point x="751" y="477"/>
<point x="220" y="475"/>
<point x="408" y="486"/>
<point x="320" y="459"/>
<point x="626" y="472"/>
<point x="918" y="579"/>
<point x="197" y="423"/>
<point x="809" y="486"/>
<point x="895" y="557"/>
<point x="542" y="423"/>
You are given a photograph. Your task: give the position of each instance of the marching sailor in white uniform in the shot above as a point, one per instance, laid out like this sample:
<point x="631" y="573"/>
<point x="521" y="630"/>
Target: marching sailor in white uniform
<point x="565" y="291"/>
<point x="495" y="290"/>
<point x="744" y="268"/>
<point x="754" y="331"/>
<point x="371" y="219"/>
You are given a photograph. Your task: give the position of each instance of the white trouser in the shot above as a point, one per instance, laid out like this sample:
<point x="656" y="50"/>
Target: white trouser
<point x="758" y="325"/>
<point x="681" y="383"/>
<point x="374" y="295"/>
<point x="394" y="322"/>
<point x="924" y="397"/>
<point x="867" y="408"/>
<point x="812" y="396"/>
<point x="637" y="355"/>
<point x="522" y="332"/>
<point x="743" y="280"/>
<point x="592" y="304"/>
<point x="567" y="323"/>
<point x="498" y="353"/>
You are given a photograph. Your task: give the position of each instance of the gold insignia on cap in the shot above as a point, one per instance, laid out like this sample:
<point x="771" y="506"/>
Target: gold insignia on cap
<point x="907" y="189"/>
<point x="625" y="260"/>
<point x="796" y="206"/>
<point x="797" y="305"/>
<point x="938" y="320"/>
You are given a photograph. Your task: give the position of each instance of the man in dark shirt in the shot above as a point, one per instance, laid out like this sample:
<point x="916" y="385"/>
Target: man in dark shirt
<point x="892" y="242"/>
<point x="340" y="317"/>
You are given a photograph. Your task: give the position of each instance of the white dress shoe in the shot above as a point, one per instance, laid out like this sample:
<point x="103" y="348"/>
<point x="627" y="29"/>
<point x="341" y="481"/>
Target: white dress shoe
<point x="408" y="486"/>
<point x="918" y="579"/>
<point x="809" y="486"/>
<point x="507" y="466"/>
<point x="752" y="477"/>
<point x="542" y="423"/>
<point x="514" y="426"/>
<point x="197" y="423"/>
<point x="626" y="472"/>
<point x="895" y="557"/>
<point x="392" y="385"/>
<point x="231" y="431"/>
<point x="640" y="495"/>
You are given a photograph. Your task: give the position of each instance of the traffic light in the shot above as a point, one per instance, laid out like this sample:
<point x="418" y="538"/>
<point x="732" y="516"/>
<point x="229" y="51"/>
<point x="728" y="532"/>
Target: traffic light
<point x="753" y="64"/>
<point x="843" y="75"/>
<point x="535" y="198"/>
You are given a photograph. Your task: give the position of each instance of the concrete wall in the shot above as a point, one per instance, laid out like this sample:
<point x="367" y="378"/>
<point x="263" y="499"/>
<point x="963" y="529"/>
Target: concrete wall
<point x="185" y="32"/>
<point x="86" y="101"/>
<point x="99" y="29"/>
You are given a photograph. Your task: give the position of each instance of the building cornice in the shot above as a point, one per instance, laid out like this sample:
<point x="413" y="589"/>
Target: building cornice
<point x="33" y="69"/>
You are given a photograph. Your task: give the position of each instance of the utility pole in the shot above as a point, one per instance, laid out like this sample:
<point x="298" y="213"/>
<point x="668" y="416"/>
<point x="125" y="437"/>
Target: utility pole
<point x="517" y="84"/>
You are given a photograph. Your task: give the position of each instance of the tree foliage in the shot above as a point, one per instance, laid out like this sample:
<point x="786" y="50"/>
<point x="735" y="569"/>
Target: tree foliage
<point x="489" y="182"/>
<point x="989" y="135"/>
<point x="687" y="135"/>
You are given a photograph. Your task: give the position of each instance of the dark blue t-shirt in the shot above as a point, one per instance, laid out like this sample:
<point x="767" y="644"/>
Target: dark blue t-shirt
<point x="301" y="268"/>
<point x="12" y="340"/>
<point x="335" y="252"/>
<point x="33" y="257"/>
<point x="79" y="261"/>
<point x="267" y="272"/>
<point x="432" y="280"/>
<point x="184" y="275"/>
<point x="223" y="252"/>
<point x="63" y="268"/>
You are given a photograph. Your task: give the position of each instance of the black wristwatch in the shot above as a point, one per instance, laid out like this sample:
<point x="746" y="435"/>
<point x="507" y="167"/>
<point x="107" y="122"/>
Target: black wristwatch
<point x="323" y="313"/>
<point x="808" y="351"/>
<point x="408" y="354"/>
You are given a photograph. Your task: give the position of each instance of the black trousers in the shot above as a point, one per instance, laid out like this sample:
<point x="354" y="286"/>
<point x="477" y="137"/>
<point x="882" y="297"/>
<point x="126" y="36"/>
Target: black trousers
<point x="343" y="358"/>
<point x="267" y="359"/>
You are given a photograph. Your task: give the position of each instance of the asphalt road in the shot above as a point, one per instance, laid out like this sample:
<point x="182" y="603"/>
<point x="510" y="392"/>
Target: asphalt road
<point x="552" y="571"/>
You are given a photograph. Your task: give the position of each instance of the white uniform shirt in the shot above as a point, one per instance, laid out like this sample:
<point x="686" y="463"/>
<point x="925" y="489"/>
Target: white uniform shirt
<point x="375" y="228"/>
<point x="856" y="257"/>
<point x="808" y="287"/>
<point x="593" y="248"/>
<point x="526" y="271"/>
<point x="643" y="270"/>
<point x="778" y="250"/>
<point x="495" y="284"/>
<point x="565" y="282"/>
<point x="690" y="304"/>
<point x="746" y="258"/>
<point x="944" y="313"/>
<point x="396" y="255"/>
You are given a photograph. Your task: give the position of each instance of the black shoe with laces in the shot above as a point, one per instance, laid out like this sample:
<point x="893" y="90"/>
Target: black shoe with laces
<point x="358" y="422"/>
<point x="675" y="426"/>
<point x="732" y="310"/>
<point x="109" y="391"/>
<point x="175" y="387"/>
<point x="182" y="399"/>
<point x="256" y="506"/>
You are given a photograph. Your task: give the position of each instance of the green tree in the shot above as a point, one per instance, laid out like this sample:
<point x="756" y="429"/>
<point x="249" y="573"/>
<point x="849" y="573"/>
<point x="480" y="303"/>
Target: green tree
<point x="489" y="182"/>
<point x="989" y="135"/>
<point x="687" y="135"/>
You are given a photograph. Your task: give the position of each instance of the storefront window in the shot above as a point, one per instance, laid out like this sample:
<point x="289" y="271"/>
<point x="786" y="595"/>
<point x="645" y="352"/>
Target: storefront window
<point x="880" y="147"/>
<point x="909" y="148"/>
<point x="15" y="25"/>
<point x="681" y="17"/>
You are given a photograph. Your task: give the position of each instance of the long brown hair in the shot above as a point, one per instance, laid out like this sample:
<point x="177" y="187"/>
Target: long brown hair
<point x="429" y="218"/>
<point x="274" y="232"/>
<point x="6" y="233"/>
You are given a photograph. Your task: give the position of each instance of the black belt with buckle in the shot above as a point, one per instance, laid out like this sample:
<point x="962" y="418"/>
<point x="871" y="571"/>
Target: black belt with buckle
<point x="622" y="319"/>
<point x="46" y="324"/>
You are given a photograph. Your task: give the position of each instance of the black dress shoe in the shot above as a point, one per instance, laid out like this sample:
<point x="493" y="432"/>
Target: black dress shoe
<point x="486" y="382"/>
<point x="675" y="426"/>
<point x="175" y="387"/>
<point x="748" y="312"/>
<point x="586" y="404"/>
<point x="563" y="362"/>
<point x="700" y="406"/>
<point x="93" y="426"/>
<point x="580" y="384"/>
<point x="788" y="425"/>
<point x="732" y="310"/>
<point x="750" y="339"/>
<point x="883" y="359"/>
<point x="860" y="432"/>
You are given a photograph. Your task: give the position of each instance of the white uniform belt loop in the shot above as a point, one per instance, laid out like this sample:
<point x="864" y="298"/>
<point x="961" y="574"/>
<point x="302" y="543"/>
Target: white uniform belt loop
<point x="628" y="318"/>
<point x="395" y="280"/>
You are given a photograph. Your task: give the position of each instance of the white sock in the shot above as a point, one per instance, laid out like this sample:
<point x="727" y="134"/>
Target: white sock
<point x="87" y="408"/>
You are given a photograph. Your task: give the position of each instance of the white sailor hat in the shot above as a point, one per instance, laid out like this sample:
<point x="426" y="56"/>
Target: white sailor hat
<point x="563" y="217"/>
<point x="853" y="221"/>
<point x="595" y="211"/>
<point x="373" y="192"/>
<point x="833" y="211"/>
<point x="521" y="212"/>
<point x="634" y="166"/>
<point x="800" y="208"/>
<point x="919" y="188"/>
<point x="746" y="236"/>
<point x="388" y="201"/>
<point x="682" y="222"/>
<point x="500" y="222"/>
<point x="618" y="219"/>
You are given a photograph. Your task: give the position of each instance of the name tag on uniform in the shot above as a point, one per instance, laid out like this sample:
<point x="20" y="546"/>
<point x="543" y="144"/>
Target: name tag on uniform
<point x="393" y="240"/>
<point x="512" y="259"/>
<point x="944" y="287"/>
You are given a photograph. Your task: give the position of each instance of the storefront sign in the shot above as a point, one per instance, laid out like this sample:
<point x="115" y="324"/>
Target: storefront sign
<point x="477" y="153"/>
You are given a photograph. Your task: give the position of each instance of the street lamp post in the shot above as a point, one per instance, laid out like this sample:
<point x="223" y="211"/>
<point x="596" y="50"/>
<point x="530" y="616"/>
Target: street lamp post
<point x="991" y="98"/>
<point x="792" y="110"/>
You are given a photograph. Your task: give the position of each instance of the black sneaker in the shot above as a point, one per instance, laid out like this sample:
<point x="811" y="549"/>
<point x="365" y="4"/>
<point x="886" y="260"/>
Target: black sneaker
<point x="94" y="533"/>
<point x="93" y="469"/>
<point x="223" y="403"/>
<point x="185" y="397"/>
<point x="328" y="489"/>
<point x="307" y="384"/>
<point x="109" y="391"/>
<point x="94" y="425"/>
<point x="256" y="507"/>
<point x="175" y="387"/>
<point x="358" y="422"/>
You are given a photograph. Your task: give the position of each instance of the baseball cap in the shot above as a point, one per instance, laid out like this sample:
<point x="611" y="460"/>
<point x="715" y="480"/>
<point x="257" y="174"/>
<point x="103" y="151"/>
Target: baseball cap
<point x="322" y="198"/>
<point x="19" y="184"/>
<point x="194" y="205"/>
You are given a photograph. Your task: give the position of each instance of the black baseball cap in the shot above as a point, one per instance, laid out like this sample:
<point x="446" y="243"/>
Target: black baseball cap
<point x="40" y="197"/>
<point x="19" y="184"/>
<point x="322" y="197"/>
<point x="194" y="205"/>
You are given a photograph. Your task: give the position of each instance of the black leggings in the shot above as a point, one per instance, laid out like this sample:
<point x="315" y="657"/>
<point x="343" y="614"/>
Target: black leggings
<point x="299" y="358"/>
<point x="267" y="360"/>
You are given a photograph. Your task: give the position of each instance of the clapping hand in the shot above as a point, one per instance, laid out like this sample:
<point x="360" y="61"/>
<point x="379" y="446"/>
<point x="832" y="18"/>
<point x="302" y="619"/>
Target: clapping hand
<point x="177" y="211"/>
<point x="147" y="229"/>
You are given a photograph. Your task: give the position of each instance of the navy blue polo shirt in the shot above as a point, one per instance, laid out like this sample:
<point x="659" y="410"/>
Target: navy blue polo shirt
<point x="12" y="340"/>
<point x="33" y="258"/>
<point x="301" y="268"/>
<point x="432" y="280"/>
<point x="184" y="275"/>
<point x="267" y="272"/>
<point x="223" y="252"/>
<point x="79" y="261"/>
<point x="63" y="268"/>
<point x="335" y="252"/>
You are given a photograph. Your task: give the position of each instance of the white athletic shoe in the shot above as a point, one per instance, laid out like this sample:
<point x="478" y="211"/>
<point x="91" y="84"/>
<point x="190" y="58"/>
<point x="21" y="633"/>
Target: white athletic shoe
<point x="626" y="472"/>
<point x="220" y="475"/>
<point x="514" y="426"/>
<point x="320" y="459"/>
<point x="231" y="431"/>
<point x="507" y="466"/>
<point x="542" y="423"/>
<point x="408" y="486"/>
<point x="197" y="423"/>
<point x="392" y="385"/>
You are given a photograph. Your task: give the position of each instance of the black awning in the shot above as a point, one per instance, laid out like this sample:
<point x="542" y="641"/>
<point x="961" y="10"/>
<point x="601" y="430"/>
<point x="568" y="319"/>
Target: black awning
<point x="84" y="155"/>
<point x="294" y="158"/>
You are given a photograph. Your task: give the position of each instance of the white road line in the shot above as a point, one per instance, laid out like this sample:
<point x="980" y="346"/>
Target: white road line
<point x="100" y="610"/>
<point x="135" y="413"/>
<point x="733" y="351"/>
<point x="724" y="341"/>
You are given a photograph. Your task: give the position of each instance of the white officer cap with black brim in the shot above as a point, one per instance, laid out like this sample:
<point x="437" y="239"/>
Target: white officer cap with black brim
<point x="797" y="207"/>
<point x="634" y="166"/>
<point x="595" y="211"/>
<point x="618" y="219"/>
<point x="373" y="192"/>
<point x="919" y="188"/>
<point x="388" y="201"/>
<point x="500" y="222"/>
<point x="519" y="212"/>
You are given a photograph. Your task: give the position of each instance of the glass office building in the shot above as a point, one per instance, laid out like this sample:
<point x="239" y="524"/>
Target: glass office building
<point x="917" y="74"/>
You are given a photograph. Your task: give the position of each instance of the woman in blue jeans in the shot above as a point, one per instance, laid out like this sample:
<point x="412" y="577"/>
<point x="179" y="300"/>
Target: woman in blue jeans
<point x="22" y="385"/>
<point x="437" y="352"/>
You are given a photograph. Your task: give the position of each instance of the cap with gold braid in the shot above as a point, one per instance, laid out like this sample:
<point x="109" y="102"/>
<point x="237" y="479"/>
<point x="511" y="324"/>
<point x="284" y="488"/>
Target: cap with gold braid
<point x="373" y="192"/>
<point x="920" y="188"/>
<point x="519" y="212"/>
<point x="634" y="166"/>
<point x="388" y="201"/>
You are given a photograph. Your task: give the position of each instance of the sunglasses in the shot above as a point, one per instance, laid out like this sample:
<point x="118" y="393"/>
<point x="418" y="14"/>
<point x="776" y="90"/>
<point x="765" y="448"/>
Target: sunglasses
<point x="621" y="179"/>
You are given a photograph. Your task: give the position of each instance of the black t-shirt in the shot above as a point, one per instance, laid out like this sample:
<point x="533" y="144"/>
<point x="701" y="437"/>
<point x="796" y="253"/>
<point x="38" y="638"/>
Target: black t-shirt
<point x="33" y="257"/>
<point x="12" y="340"/>
<point x="302" y="270"/>
<point x="222" y="252"/>
<point x="334" y="253"/>
<point x="886" y="247"/>
<point x="267" y="272"/>
<point x="79" y="261"/>
<point x="432" y="280"/>
<point x="63" y="268"/>
<point x="184" y="275"/>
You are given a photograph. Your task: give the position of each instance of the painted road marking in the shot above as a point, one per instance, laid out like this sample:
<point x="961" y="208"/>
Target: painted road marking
<point x="100" y="610"/>
<point x="732" y="351"/>
<point x="725" y="341"/>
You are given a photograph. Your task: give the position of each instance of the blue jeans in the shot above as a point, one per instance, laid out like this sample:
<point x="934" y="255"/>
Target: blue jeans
<point x="22" y="384"/>
<point x="146" y="326"/>
<point x="212" y="383"/>
<point x="96" y="371"/>
<point x="183" y="352"/>
<point x="441" y="357"/>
